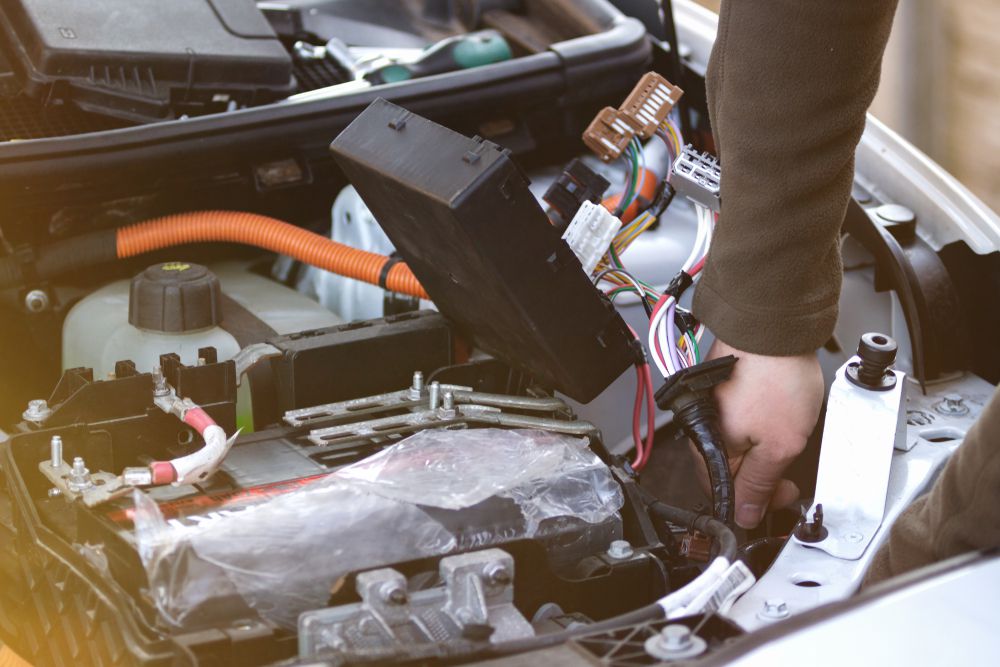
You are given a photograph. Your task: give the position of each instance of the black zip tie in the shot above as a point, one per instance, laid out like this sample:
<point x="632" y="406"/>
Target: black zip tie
<point x="678" y="284"/>
<point x="383" y="275"/>
<point x="685" y="320"/>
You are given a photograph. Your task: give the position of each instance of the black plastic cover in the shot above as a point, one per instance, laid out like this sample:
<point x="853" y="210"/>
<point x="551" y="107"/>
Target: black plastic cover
<point x="460" y="213"/>
<point x="358" y="359"/>
<point x="174" y="297"/>
<point x="146" y="59"/>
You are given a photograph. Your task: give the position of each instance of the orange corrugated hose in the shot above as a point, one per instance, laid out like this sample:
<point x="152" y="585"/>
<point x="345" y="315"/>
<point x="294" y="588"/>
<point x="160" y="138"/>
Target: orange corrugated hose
<point x="647" y="190"/>
<point x="10" y="659"/>
<point x="270" y="234"/>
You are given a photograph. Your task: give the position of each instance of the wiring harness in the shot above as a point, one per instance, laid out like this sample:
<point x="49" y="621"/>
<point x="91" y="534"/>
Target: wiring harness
<point x="673" y="337"/>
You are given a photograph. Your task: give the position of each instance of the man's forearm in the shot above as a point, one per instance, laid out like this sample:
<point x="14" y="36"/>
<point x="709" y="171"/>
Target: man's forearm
<point x="788" y="87"/>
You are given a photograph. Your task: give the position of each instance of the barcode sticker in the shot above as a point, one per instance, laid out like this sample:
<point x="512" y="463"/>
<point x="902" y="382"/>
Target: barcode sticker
<point x="721" y="595"/>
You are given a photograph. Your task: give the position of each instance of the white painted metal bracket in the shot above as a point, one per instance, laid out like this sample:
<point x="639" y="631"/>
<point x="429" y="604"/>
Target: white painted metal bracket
<point x="802" y="578"/>
<point x="861" y="430"/>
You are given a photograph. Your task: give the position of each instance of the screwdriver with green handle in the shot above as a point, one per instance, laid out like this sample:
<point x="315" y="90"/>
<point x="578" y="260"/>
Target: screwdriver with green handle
<point x="372" y="66"/>
<point x="473" y="49"/>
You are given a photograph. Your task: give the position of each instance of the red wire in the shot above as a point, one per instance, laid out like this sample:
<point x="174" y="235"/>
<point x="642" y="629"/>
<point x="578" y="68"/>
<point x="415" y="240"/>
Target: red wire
<point x="640" y="389"/>
<point x="650" y="414"/>
<point x="644" y="450"/>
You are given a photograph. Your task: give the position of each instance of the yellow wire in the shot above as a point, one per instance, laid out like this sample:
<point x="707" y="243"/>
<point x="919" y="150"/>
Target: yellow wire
<point x="673" y="136"/>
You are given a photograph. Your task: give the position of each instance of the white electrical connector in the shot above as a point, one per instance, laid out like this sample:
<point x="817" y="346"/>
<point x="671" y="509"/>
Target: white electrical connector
<point x="590" y="233"/>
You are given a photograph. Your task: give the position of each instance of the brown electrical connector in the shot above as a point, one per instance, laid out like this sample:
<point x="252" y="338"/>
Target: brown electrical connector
<point x="608" y="134"/>
<point x="696" y="547"/>
<point x="649" y="104"/>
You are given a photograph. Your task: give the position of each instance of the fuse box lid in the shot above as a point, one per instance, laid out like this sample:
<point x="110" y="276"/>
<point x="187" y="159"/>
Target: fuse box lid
<point x="460" y="213"/>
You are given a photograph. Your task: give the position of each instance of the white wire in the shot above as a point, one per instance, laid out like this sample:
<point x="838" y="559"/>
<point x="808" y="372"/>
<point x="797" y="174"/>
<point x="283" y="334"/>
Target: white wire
<point x="700" y="237"/>
<point x="661" y="334"/>
<point x="663" y="364"/>
<point x="658" y="327"/>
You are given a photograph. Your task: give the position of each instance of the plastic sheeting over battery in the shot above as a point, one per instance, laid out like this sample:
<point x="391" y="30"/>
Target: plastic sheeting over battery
<point x="435" y="492"/>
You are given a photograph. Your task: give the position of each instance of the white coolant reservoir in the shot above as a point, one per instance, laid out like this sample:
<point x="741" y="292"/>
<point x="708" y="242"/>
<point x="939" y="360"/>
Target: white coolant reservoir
<point x="181" y="307"/>
<point x="169" y="307"/>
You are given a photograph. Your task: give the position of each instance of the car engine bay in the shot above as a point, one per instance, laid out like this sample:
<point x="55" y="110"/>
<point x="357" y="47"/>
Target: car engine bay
<point x="383" y="382"/>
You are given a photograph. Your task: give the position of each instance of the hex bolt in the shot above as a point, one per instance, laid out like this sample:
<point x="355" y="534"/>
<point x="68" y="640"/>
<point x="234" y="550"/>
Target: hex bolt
<point x="675" y="642"/>
<point x="160" y="387"/>
<point x="37" y="412"/>
<point x="620" y="550"/>
<point x="497" y="574"/>
<point x="877" y="352"/>
<point x="774" y="609"/>
<point x="953" y="405"/>
<point x="676" y="637"/>
<point x="79" y="477"/>
<point x="55" y="451"/>
<point x="307" y="51"/>
<point x="434" y="395"/>
<point x="417" y="388"/>
<point x="36" y="301"/>
<point x="393" y="593"/>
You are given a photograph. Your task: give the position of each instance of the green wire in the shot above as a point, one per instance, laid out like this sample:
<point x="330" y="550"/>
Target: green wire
<point x="694" y="346"/>
<point x="614" y="257"/>
<point x="634" y="180"/>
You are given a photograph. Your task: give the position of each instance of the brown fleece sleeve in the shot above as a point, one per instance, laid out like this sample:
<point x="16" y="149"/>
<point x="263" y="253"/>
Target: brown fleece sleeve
<point x="961" y="512"/>
<point x="789" y="82"/>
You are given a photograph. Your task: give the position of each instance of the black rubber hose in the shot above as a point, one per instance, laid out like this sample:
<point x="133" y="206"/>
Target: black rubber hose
<point x="61" y="257"/>
<point x="699" y="420"/>
<point x="760" y="553"/>
<point x="10" y="272"/>
<point x="704" y="523"/>
<point x="77" y="253"/>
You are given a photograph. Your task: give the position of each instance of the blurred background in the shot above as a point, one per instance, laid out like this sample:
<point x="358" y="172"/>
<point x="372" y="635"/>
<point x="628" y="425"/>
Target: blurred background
<point x="941" y="86"/>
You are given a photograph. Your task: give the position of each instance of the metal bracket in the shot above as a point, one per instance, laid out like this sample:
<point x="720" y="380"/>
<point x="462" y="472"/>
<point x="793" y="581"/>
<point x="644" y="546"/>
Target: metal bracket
<point x="861" y="430"/>
<point x="365" y="405"/>
<point x="455" y="416"/>
<point x="92" y="488"/>
<point x="802" y="578"/>
<point x="430" y="406"/>
<point x="475" y="603"/>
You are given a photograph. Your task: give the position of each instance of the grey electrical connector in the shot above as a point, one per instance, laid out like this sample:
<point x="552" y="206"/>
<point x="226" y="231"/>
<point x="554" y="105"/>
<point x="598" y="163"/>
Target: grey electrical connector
<point x="698" y="177"/>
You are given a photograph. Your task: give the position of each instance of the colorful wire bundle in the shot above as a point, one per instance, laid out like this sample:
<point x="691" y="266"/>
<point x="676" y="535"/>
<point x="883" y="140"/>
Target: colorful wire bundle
<point x="635" y="164"/>
<point x="673" y="337"/>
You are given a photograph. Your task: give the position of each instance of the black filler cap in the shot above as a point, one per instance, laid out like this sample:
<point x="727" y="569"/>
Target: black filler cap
<point x="174" y="297"/>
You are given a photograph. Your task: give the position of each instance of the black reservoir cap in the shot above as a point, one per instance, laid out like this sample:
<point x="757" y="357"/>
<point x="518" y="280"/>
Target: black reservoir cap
<point x="174" y="297"/>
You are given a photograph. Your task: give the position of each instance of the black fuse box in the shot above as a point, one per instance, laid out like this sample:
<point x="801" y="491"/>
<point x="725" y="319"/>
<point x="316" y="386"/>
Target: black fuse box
<point x="144" y="60"/>
<point x="460" y="213"/>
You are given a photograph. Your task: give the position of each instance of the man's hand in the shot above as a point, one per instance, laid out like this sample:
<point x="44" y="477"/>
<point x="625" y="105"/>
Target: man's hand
<point x="767" y="409"/>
